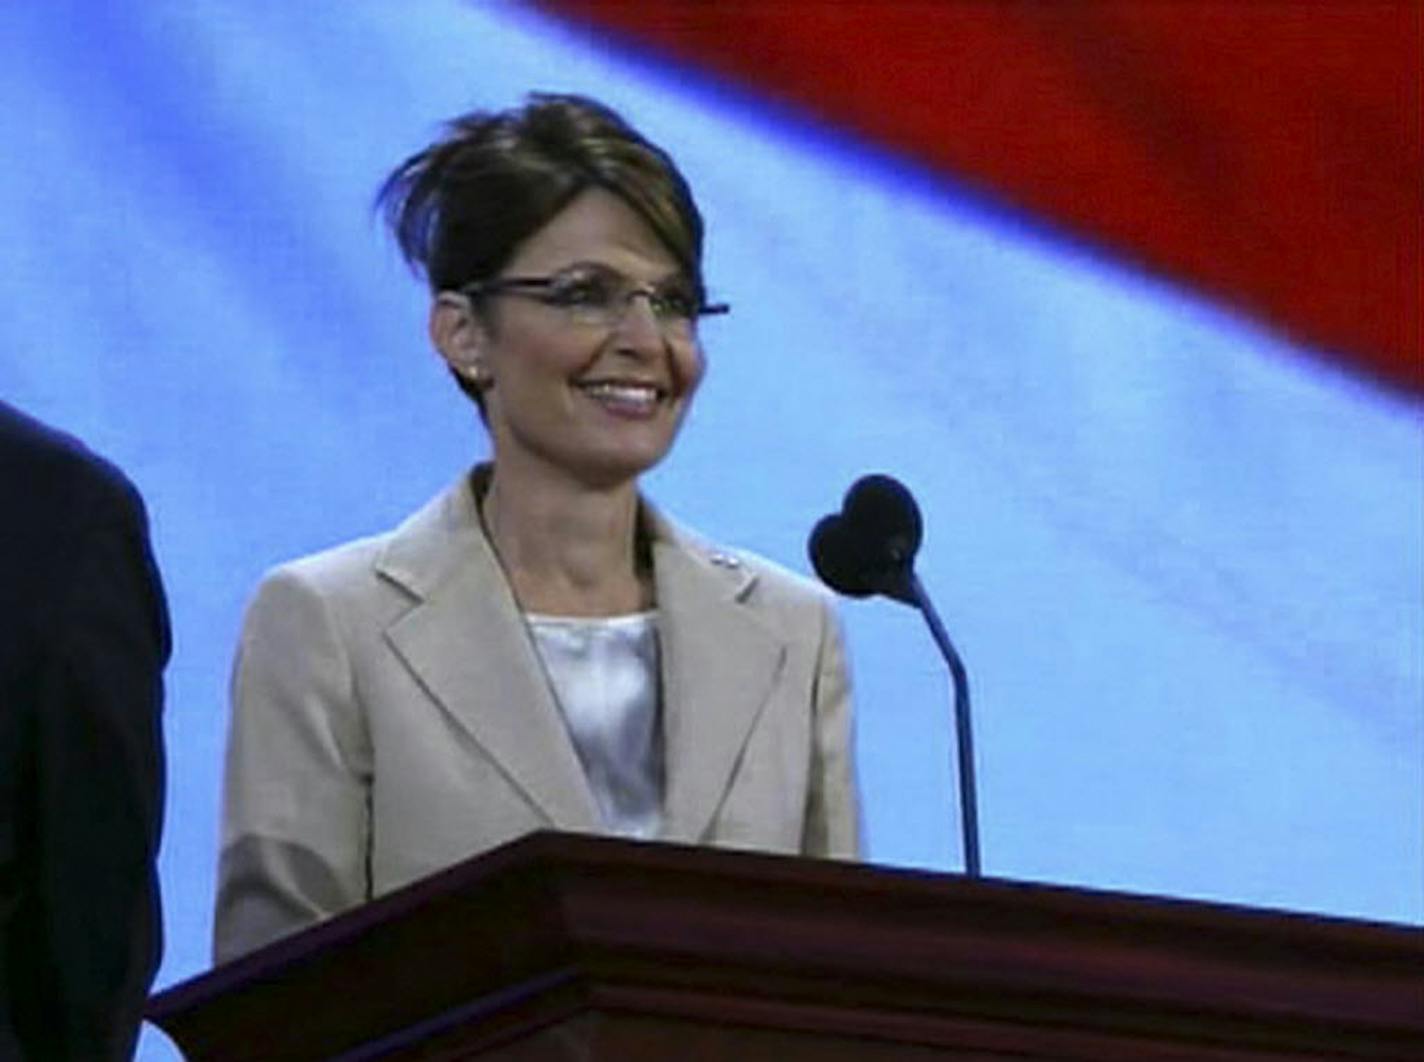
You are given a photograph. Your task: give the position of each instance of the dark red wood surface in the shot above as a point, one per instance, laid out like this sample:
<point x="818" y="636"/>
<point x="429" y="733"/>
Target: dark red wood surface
<point x="560" y="939"/>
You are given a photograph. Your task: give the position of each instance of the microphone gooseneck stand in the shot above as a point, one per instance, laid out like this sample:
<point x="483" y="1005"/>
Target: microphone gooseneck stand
<point x="963" y="731"/>
<point x="869" y="548"/>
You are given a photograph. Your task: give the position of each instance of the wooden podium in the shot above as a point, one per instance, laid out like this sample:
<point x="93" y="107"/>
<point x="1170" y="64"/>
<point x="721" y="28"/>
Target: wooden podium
<point x="570" y="947"/>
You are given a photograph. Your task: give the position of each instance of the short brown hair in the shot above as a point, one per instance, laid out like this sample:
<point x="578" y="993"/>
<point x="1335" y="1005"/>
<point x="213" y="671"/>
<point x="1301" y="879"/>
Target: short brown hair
<point x="461" y="207"/>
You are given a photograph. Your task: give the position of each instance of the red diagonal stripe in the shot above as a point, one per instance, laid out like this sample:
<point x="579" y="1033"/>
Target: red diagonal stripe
<point x="1267" y="152"/>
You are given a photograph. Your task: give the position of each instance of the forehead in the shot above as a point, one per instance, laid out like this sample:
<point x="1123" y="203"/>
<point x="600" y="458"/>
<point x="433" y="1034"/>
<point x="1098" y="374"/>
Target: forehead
<point x="596" y="227"/>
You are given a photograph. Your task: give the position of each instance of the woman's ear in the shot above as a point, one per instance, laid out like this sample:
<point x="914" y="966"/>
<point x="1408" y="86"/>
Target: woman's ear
<point x="460" y="336"/>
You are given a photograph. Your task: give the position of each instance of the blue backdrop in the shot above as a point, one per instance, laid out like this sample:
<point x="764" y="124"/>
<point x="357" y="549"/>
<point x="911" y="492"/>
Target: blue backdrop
<point x="1182" y="560"/>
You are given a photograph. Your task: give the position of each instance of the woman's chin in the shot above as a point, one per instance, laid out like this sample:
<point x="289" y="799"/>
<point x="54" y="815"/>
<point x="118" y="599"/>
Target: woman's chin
<point x="626" y="451"/>
<point x="616" y="468"/>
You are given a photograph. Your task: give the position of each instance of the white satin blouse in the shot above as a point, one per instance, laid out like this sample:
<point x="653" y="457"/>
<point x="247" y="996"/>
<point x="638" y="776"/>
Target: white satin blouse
<point x="604" y="673"/>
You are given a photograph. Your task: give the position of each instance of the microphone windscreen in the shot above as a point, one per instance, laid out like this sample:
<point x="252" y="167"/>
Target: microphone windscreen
<point x="837" y="559"/>
<point x="884" y="520"/>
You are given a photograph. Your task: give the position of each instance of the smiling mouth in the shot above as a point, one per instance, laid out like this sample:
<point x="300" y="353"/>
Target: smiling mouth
<point x="624" y="397"/>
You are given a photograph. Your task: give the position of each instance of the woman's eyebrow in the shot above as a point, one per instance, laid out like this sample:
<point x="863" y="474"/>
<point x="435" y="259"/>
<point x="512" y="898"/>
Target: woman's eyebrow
<point x="672" y="276"/>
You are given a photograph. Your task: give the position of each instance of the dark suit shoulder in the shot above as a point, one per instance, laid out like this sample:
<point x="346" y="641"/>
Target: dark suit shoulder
<point x="47" y="474"/>
<point x="62" y="502"/>
<point x="83" y="641"/>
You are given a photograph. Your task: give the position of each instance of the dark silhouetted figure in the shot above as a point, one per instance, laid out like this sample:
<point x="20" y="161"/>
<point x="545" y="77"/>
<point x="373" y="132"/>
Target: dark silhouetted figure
<point x="83" y="641"/>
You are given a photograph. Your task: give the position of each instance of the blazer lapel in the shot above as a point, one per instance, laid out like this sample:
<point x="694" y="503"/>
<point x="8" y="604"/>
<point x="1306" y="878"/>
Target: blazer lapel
<point x="720" y="664"/>
<point x="466" y="643"/>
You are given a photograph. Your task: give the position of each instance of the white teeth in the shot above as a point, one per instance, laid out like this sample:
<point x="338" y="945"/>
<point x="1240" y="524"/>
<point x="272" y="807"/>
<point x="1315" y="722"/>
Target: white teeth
<point x="634" y="393"/>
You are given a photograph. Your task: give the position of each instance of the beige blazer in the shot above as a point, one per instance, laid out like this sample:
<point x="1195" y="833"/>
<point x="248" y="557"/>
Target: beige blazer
<point x="391" y="717"/>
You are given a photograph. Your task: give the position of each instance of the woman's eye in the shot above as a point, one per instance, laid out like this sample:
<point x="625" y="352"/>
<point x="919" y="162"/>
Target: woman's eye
<point x="581" y="291"/>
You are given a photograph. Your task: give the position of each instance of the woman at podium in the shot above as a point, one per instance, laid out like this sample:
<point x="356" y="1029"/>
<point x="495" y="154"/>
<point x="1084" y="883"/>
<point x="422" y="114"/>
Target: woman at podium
<point x="538" y="647"/>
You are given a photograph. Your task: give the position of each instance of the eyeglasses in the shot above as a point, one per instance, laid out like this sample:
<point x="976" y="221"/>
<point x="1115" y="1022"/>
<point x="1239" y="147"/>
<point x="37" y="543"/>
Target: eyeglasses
<point x="599" y="297"/>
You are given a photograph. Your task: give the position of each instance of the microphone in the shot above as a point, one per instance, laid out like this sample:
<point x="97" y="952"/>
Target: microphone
<point x="869" y="548"/>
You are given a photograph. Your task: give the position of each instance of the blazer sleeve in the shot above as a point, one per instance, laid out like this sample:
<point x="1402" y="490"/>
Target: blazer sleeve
<point x="94" y="928"/>
<point x="832" y="809"/>
<point x="296" y="814"/>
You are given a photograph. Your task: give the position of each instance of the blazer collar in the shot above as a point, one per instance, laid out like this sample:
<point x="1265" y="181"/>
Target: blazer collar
<point x="720" y="663"/>
<point x="467" y="644"/>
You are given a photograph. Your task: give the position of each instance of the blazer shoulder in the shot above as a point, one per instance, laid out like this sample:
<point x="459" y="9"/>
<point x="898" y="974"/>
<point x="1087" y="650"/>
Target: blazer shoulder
<point x="414" y="554"/>
<point x="336" y="574"/>
<point x="766" y="581"/>
<point x="782" y="582"/>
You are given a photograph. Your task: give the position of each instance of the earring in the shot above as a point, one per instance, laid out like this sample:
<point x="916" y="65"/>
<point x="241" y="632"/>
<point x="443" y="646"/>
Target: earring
<point x="476" y="376"/>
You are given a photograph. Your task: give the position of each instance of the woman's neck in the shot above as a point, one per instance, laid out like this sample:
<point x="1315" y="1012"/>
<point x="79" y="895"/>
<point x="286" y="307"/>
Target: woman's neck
<point x="568" y="550"/>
